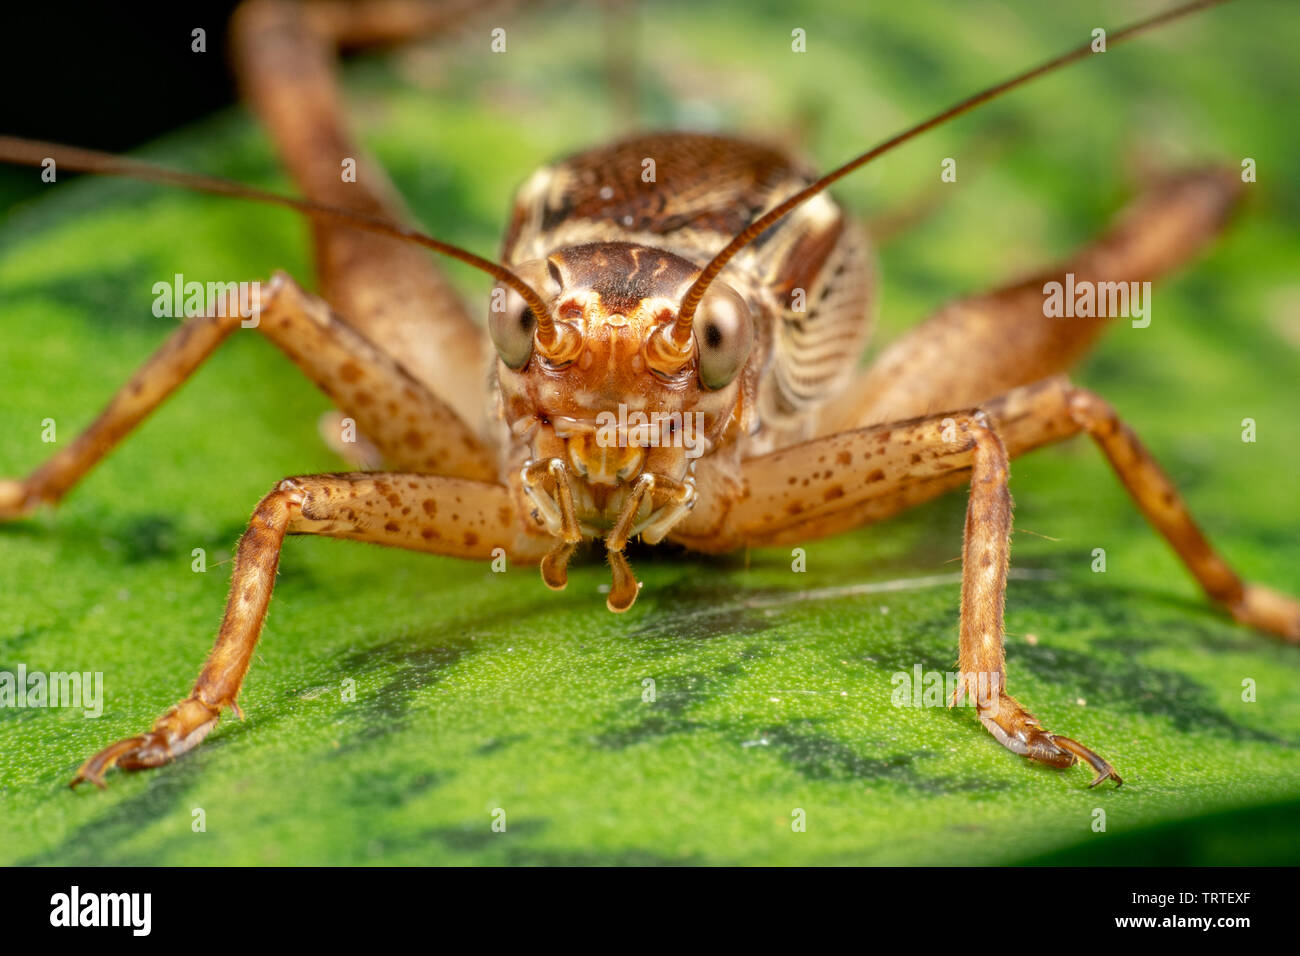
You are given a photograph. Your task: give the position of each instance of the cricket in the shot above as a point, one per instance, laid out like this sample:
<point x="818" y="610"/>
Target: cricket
<point x="670" y="353"/>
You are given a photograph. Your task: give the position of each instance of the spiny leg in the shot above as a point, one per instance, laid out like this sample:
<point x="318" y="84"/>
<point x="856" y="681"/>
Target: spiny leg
<point x="906" y="469"/>
<point x="399" y="298"/>
<point x="411" y="427"/>
<point x="448" y="516"/>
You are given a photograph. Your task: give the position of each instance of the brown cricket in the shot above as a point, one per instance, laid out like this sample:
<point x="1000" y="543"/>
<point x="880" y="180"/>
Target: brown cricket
<point x="727" y="301"/>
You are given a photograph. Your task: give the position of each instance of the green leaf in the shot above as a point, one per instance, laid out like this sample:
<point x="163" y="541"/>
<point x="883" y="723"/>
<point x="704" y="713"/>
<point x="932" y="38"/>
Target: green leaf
<point x="772" y="690"/>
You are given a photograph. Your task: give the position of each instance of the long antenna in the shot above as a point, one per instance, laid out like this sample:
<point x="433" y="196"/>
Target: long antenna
<point x="34" y="153"/>
<point x="681" y="334"/>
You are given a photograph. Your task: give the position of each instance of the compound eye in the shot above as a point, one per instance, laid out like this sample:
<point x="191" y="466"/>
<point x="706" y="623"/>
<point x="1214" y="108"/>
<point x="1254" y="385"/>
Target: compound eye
<point x="511" y="322"/>
<point x="725" y="335"/>
<point x="512" y="330"/>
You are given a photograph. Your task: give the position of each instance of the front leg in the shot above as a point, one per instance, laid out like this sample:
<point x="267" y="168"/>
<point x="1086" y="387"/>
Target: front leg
<point x="833" y="484"/>
<point x="449" y="516"/>
<point x="986" y="551"/>
<point x="842" y="481"/>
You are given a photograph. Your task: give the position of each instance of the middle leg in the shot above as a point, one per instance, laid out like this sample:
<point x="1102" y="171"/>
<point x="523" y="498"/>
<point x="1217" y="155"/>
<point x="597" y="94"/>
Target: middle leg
<point x="832" y="484"/>
<point x="410" y="427"/>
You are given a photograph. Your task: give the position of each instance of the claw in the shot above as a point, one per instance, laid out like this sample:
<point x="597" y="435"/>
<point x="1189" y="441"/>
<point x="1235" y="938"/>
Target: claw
<point x="1020" y="732"/>
<point x="178" y="730"/>
<point x="98" y="765"/>
<point x="1042" y="748"/>
<point x="1104" y="770"/>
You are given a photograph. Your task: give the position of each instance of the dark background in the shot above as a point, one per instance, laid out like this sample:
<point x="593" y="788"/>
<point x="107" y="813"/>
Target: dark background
<point x="108" y="76"/>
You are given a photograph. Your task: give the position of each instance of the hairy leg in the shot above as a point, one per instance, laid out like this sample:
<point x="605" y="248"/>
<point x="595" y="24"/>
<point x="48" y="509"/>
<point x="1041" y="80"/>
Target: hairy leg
<point x="448" y="516"/>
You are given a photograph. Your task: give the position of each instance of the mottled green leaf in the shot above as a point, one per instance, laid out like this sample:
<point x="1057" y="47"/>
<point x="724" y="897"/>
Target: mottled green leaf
<point x="478" y="691"/>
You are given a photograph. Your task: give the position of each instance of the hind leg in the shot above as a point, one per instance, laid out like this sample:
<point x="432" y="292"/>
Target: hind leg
<point x="390" y="291"/>
<point x="980" y="347"/>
